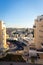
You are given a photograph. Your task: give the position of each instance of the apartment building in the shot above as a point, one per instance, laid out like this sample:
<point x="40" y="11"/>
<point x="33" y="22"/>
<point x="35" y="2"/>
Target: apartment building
<point x="38" y="31"/>
<point x="2" y="35"/>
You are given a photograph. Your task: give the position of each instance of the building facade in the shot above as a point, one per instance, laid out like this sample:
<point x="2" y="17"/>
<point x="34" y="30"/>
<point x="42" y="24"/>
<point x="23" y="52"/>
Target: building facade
<point x="38" y="31"/>
<point x="2" y="35"/>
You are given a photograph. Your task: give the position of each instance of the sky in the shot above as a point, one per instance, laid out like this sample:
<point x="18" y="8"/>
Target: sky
<point x="20" y="13"/>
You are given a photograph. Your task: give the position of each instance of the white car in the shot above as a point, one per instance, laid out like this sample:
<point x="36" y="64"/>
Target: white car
<point x="32" y="52"/>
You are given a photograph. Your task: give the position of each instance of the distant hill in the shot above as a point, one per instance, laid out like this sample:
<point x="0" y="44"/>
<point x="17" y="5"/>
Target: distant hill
<point x="10" y="30"/>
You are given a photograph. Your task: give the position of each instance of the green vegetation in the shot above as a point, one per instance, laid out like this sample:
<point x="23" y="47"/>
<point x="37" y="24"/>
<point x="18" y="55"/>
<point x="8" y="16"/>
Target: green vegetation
<point x="11" y="57"/>
<point x="32" y="60"/>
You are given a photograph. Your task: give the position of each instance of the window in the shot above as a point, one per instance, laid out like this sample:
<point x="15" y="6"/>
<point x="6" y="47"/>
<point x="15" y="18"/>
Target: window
<point x="34" y="26"/>
<point x="42" y="26"/>
<point x="40" y="30"/>
<point x="41" y="43"/>
<point x="41" y="36"/>
<point x="40" y="19"/>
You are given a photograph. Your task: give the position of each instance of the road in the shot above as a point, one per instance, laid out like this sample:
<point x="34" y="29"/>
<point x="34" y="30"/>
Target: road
<point x="16" y="63"/>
